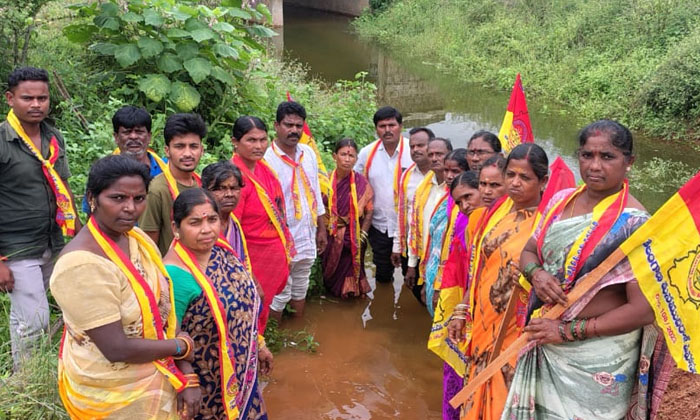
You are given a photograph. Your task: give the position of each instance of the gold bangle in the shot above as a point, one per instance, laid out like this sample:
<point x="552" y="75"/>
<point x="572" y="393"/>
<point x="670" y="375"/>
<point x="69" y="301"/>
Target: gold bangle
<point x="189" y="344"/>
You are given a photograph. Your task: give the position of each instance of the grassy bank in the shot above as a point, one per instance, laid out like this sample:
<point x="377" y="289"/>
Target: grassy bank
<point x="634" y="60"/>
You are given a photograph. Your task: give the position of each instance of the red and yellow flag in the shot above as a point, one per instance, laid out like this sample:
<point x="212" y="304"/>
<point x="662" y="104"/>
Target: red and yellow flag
<point x="516" y="127"/>
<point x="664" y="254"/>
<point x="308" y="139"/>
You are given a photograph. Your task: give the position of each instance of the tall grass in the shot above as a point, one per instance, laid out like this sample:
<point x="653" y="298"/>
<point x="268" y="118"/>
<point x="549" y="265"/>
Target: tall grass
<point x="634" y="60"/>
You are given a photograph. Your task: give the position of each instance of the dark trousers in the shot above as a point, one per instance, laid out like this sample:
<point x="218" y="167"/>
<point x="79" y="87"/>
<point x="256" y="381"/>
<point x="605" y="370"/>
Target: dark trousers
<point x="382" y="245"/>
<point x="416" y="290"/>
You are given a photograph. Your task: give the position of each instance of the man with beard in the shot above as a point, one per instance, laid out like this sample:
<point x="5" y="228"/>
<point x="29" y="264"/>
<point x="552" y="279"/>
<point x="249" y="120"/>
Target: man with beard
<point x="427" y="198"/>
<point x="382" y="162"/>
<point x="36" y="205"/>
<point x="183" y="135"/>
<point x="297" y="169"/>
<point x="418" y="143"/>
<point x="132" y="135"/>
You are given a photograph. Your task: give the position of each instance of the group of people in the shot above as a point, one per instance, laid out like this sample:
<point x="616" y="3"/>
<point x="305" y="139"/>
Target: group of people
<point x="167" y="289"/>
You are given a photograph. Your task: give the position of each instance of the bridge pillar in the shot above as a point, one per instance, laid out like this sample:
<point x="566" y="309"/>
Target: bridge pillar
<point x="277" y="11"/>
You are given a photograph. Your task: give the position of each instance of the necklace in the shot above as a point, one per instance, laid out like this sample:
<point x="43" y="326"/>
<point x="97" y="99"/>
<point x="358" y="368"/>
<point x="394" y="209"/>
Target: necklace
<point x="573" y="206"/>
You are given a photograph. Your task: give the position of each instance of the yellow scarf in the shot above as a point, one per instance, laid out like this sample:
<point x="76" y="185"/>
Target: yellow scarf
<point x="397" y="169"/>
<point x="415" y="241"/>
<point x="65" y="211"/>
<point x="160" y="162"/>
<point x="298" y="173"/>
<point x="403" y="208"/>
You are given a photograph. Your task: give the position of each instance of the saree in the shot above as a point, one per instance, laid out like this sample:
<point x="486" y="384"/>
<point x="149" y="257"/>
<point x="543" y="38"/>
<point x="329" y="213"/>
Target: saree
<point x="267" y="252"/>
<point x="432" y="262"/>
<point x="240" y="307"/>
<point x="610" y="377"/>
<point x="492" y="290"/>
<point x="234" y="235"/>
<point x="93" y="291"/>
<point x="343" y="269"/>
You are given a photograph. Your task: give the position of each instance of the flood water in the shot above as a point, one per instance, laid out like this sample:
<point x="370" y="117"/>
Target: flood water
<point x="372" y="361"/>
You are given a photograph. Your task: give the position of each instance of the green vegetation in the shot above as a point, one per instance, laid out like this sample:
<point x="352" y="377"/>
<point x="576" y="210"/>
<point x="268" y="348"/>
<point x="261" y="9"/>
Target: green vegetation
<point x="225" y="62"/>
<point x="637" y="61"/>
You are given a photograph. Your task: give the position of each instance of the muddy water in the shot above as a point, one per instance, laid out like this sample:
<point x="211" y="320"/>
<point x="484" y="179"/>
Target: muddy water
<point x="372" y="361"/>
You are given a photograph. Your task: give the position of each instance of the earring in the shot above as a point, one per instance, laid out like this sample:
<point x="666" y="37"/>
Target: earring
<point x="177" y="236"/>
<point x="628" y="168"/>
<point x="92" y="206"/>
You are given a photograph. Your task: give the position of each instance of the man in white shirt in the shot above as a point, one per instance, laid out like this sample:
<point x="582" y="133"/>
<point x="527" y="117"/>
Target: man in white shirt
<point x="427" y="197"/>
<point x="382" y="162"/>
<point x="418" y="144"/>
<point x="297" y="169"/>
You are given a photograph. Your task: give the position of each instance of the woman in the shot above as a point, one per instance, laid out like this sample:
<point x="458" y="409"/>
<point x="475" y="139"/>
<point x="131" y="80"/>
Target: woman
<point x="350" y="211"/>
<point x="261" y="212"/>
<point x="120" y="357"/>
<point x="494" y="272"/>
<point x="465" y="193"/>
<point x="598" y="359"/>
<point x="224" y="180"/>
<point x="445" y="221"/>
<point x="482" y="145"/>
<point x="217" y="303"/>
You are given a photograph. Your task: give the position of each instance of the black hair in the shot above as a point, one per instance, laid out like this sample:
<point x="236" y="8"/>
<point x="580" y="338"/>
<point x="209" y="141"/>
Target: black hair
<point x="619" y="135"/>
<point x="345" y="142"/>
<point x="447" y="142"/>
<point x="216" y="173"/>
<point x="106" y="171"/>
<point x="470" y="178"/>
<point x="489" y="138"/>
<point x="535" y="155"/>
<point x="385" y="113"/>
<point x="246" y="123"/>
<point x="459" y="156"/>
<point x="426" y="130"/>
<point x="290" y="108"/>
<point x="130" y="117"/>
<point x="188" y="200"/>
<point x="180" y="124"/>
<point x="497" y="160"/>
<point x="26" y="74"/>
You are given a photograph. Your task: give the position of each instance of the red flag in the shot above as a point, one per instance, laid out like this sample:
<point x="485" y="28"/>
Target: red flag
<point x="560" y="177"/>
<point x="516" y="127"/>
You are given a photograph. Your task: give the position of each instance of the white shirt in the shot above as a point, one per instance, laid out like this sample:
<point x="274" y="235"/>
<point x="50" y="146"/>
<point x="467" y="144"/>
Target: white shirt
<point x="302" y="230"/>
<point x="434" y="196"/>
<point x="411" y="181"/>
<point x="381" y="178"/>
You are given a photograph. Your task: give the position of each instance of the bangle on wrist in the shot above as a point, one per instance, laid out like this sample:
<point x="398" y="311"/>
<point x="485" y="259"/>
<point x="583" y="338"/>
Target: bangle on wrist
<point x="530" y="269"/>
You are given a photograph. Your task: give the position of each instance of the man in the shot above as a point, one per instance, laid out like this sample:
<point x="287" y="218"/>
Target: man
<point x="36" y="205"/>
<point x="418" y="144"/>
<point x="297" y="168"/>
<point x="183" y="146"/>
<point x="427" y="198"/>
<point x="132" y="135"/>
<point x="383" y="162"/>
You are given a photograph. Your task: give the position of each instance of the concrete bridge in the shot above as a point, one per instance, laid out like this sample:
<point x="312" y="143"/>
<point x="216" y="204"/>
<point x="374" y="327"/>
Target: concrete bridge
<point x="345" y="7"/>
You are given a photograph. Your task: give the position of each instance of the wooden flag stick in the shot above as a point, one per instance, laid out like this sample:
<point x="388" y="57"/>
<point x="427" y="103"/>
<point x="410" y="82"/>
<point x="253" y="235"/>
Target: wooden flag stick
<point x="585" y="284"/>
<point x="503" y="329"/>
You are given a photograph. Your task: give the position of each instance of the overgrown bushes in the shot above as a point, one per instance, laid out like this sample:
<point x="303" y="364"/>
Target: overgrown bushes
<point x="633" y="60"/>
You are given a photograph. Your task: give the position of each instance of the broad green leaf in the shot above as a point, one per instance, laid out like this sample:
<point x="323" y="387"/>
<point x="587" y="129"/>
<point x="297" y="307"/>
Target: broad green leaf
<point x="169" y="63"/>
<point x="224" y="50"/>
<point x="187" y="50"/>
<point x="177" y="33"/>
<point x="200" y="35"/>
<point x="232" y="3"/>
<point x="222" y="75"/>
<point x="238" y="12"/>
<point x="109" y="9"/>
<point x="79" y="32"/>
<point x="184" y="96"/>
<point x="149" y="47"/>
<point x="127" y="54"/>
<point x="106" y="22"/>
<point x="223" y="27"/>
<point x="190" y="11"/>
<point x="181" y="16"/>
<point x="155" y="86"/>
<point x="152" y="18"/>
<point x="263" y="9"/>
<point x="198" y="68"/>
<point x="104" y="48"/>
<point x="261" y="31"/>
<point x="193" y="24"/>
<point x="132" y="17"/>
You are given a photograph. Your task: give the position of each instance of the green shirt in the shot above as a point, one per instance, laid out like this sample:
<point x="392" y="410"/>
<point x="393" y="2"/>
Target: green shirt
<point x="185" y="288"/>
<point x="158" y="213"/>
<point x="27" y="203"/>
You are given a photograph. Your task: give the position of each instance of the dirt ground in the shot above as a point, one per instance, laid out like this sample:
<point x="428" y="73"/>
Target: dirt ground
<point x="682" y="398"/>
